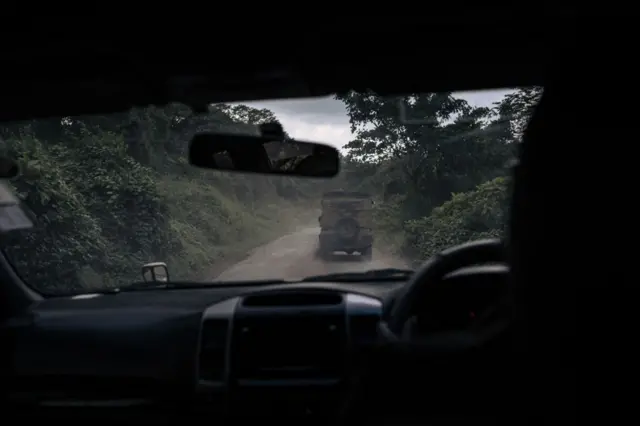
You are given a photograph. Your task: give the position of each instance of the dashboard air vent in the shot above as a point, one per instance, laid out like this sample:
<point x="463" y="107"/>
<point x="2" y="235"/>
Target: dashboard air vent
<point x="293" y="298"/>
<point x="213" y="349"/>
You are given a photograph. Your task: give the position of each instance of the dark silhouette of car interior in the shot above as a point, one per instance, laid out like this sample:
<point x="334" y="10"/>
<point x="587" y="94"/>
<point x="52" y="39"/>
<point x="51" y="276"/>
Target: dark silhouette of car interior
<point x="394" y="351"/>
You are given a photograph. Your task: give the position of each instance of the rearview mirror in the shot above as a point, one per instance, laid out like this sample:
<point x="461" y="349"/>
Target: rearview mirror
<point x="263" y="154"/>
<point x="155" y="272"/>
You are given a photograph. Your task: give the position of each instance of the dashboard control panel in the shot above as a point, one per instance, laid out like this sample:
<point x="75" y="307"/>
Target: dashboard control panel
<point x="285" y="338"/>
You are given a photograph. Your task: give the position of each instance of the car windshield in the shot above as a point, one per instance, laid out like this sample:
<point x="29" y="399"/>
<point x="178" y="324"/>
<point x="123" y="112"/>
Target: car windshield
<point x="110" y="193"/>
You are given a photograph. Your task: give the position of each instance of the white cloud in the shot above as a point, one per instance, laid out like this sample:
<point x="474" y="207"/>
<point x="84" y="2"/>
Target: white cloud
<point x="333" y="134"/>
<point x="325" y="119"/>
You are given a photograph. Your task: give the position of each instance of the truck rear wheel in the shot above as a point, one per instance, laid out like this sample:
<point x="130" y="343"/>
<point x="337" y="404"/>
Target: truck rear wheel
<point x="367" y="253"/>
<point x="322" y="253"/>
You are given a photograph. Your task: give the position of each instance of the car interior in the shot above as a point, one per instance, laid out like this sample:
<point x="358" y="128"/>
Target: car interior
<point x="311" y="352"/>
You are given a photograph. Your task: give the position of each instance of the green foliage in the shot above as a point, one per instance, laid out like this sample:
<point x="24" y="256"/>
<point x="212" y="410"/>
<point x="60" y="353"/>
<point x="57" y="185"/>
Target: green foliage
<point x="468" y="216"/>
<point x="437" y="163"/>
<point x="110" y="193"/>
<point x="67" y="236"/>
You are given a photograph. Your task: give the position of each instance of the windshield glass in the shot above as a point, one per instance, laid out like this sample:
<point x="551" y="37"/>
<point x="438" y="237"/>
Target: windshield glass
<point x="108" y="194"/>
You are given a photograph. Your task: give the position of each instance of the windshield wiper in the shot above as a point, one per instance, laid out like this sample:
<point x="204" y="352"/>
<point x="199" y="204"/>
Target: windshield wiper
<point x="185" y="285"/>
<point x="387" y="274"/>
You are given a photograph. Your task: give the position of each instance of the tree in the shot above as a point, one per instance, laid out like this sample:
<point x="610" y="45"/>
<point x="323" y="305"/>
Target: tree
<point x="103" y="199"/>
<point x="436" y="153"/>
<point x="248" y="115"/>
<point x="516" y="108"/>
<point x="432" y="144"/>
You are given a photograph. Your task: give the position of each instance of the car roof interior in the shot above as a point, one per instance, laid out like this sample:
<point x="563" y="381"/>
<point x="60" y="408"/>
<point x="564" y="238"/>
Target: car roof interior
<point x="117" y="74"/>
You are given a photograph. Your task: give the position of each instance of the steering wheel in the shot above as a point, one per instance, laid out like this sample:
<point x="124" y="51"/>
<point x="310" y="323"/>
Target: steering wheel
<point x="444" y="358"/>
<point x="428" y="279"/>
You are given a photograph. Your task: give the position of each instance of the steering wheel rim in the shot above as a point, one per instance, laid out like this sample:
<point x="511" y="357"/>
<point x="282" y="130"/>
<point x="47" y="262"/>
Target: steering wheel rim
<point x="400" y="351"/>
<point x="430" y="274"/>
<point x="440" y="349"/>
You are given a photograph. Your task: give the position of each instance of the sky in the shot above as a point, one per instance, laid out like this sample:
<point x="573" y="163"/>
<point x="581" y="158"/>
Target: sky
<point x="325" y="119"/>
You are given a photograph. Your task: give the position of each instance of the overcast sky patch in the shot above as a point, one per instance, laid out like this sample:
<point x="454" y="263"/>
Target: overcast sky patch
<point x="325" y="119"/>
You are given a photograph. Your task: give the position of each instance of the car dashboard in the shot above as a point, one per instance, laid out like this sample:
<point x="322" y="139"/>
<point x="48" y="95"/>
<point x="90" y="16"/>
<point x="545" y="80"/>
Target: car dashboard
<point x="160" y="356"/>
<point x="263" y="349"/>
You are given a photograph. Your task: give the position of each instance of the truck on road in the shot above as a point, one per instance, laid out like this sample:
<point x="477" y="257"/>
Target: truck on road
<point x="346" y="224"/>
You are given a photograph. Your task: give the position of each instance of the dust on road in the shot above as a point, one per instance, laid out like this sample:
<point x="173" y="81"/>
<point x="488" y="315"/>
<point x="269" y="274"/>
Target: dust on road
<point x="293" y="257"/>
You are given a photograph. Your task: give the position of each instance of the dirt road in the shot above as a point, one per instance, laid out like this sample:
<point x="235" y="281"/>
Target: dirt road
<point x="293" y="256"/>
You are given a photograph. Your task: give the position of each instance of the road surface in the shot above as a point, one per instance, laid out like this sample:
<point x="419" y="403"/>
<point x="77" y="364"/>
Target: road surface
<point x="293" y="256"/>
